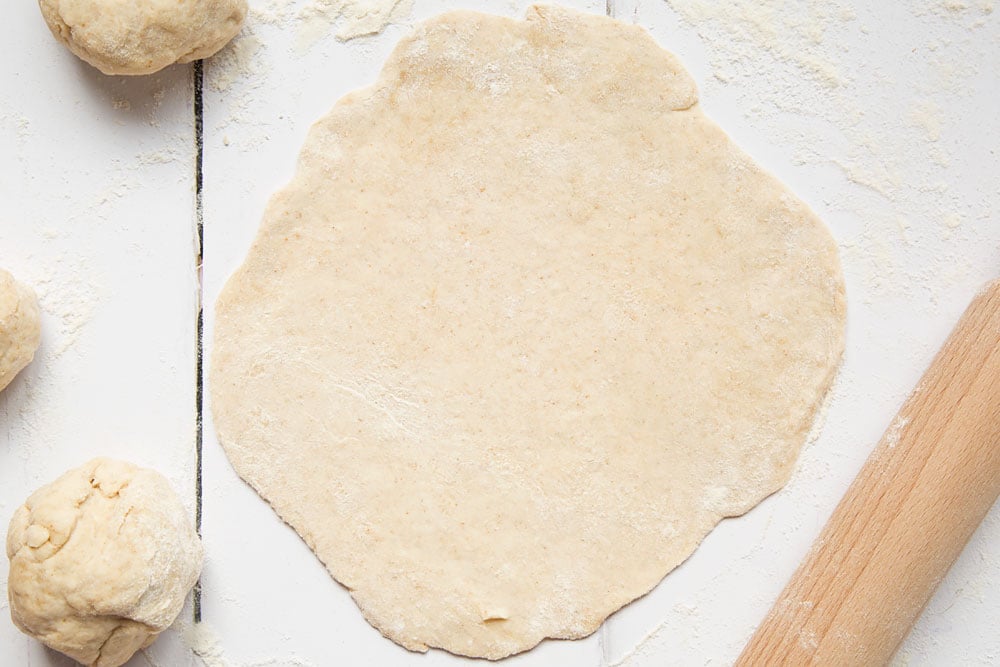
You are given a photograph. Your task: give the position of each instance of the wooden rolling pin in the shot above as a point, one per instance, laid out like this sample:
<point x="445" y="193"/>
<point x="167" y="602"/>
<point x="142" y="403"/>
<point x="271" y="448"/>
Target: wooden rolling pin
<point x="906" y="517"/>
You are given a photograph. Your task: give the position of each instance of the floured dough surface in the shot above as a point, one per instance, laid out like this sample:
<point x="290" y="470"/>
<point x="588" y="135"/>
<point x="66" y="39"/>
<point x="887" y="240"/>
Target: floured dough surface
<point x="20" y="327"/>
<point x="101" y="561"/>
<point x="143" y="36"/>
<point x="523" y="328"/>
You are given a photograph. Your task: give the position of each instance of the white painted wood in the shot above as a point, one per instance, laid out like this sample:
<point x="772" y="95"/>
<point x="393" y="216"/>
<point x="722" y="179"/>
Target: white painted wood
<point x="96" y="180"/>
<point x="96" y="211"/>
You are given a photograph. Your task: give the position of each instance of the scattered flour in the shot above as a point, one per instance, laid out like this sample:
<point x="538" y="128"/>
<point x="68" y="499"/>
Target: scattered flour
<point x="238" y="72"/>
<point x="951" y="221"/>
<point x="68" y="296"/>
<point x="890" y="137"/>
<point x="645" y="650"/>
<point x="236" y="61"/>
<point x="144" y="100"/>
<point x="164" y="156"/>
<point x="791" y="32"/>
<point x="973" y="9"/>
<point x="313" y="20"/>
<point x="353" y="18"/>
<point x="205" y="644"/>
<point x="927" y="116"/>
<point x="237" y="75"/>
<point x="895" y="430"/>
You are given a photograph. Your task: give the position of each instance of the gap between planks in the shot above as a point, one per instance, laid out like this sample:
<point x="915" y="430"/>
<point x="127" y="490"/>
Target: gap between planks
<point x="198" y="74"/>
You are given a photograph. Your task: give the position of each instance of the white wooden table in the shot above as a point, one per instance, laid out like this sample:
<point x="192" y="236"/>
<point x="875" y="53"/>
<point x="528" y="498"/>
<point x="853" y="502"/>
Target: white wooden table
<point x="882" y="118"/>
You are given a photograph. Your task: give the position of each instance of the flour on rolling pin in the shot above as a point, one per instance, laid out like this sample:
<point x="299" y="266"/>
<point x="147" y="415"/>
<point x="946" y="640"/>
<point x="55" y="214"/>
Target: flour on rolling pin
<point x="910" y="511"/>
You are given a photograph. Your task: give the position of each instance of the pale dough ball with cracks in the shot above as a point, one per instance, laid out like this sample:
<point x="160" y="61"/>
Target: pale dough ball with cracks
<point x="20" y="328"/>
<point x="143" y="36"/>
<point x="101" y="561"/>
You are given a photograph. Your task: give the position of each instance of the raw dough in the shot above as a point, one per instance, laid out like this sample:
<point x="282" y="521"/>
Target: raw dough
<point x="143" y="36"/>
<point x="100" y="561"/>
<point x="524" y="327"/>
<point x="20" y="327"/>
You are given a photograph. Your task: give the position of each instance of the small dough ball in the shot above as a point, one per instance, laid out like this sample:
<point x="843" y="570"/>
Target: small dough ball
<point x="143" y="36"/>
<point x="100" y="561"/>
<point x="20" y="327"/>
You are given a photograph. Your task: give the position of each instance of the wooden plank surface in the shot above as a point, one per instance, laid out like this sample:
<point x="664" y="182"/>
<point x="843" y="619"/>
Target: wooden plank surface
<point x="878" y="116"/>
<point x="96" y="212"/>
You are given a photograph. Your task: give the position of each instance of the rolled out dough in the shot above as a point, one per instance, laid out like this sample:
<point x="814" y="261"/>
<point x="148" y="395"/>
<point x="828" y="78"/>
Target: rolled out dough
<point x="523" y="328"/>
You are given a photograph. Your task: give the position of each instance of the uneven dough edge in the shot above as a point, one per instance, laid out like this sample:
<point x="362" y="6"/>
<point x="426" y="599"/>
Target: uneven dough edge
<point x="311" y="159"/>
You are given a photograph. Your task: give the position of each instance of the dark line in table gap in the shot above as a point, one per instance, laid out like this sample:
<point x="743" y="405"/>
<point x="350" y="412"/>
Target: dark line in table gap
<point x="199" y="142"/>
<point x="199" y="214"/>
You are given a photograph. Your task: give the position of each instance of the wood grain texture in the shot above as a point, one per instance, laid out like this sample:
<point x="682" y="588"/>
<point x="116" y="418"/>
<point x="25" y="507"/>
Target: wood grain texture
<point x="905" y="519"/>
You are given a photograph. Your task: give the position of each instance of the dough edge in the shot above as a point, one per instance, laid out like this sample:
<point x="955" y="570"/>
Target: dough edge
<point x="310" y="158"/>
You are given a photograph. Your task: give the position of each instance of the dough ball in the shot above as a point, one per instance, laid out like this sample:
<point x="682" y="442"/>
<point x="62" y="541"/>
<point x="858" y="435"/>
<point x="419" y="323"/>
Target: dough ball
<point x="143" y="36"/>
<point x="100" y="561"/>
<point x="20" y="328"/>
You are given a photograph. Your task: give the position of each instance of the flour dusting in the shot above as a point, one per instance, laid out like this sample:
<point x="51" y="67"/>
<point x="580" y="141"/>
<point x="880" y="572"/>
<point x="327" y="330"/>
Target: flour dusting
<point x="205" y="644"/>
<point x="315" y="19"/>
<point x="241" y="73"/>
<point x="237" y="61"/>
<point x="892" y="138"/>
<point x="895" y="430"/>
<point x="68" y="298"/>
<point x="352" y="18"/>
<point x="644" y="650"/>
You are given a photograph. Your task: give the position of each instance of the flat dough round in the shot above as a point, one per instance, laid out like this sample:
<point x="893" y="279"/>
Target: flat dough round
<point x="524" y="327"/>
